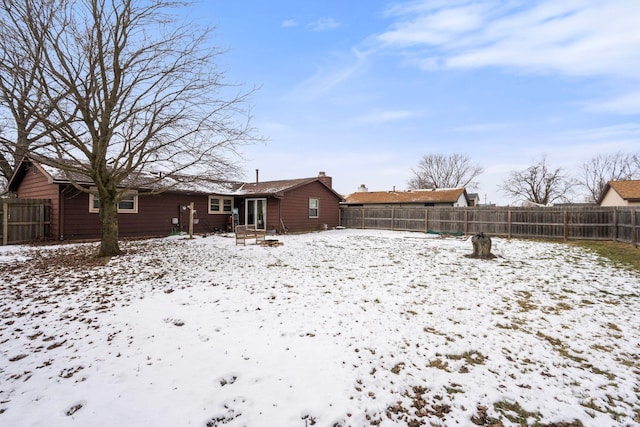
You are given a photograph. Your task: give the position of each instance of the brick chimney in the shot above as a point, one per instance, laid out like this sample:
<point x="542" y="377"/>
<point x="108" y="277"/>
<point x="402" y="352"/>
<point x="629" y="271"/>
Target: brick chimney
<point x="326" y="180"/>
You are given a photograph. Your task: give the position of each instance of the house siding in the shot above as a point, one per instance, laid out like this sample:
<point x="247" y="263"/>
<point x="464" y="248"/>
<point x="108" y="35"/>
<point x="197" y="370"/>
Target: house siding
<point x="161" y="208"/>
<point x="462" y="201"/>
<point x="273" y="214"/>
<point x="287" y="207"/>
<point x="612" y="198"/>
<point x="36" y="185"/>
<point x="294" y="208"/>
<point x="78" y="222"/>
<point x="154" y="217"/>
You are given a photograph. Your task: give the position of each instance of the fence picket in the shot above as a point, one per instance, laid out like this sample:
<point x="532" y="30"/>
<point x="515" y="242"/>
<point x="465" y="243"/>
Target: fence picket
<point x="566" y="223"/>
<point x="25" y="220"/>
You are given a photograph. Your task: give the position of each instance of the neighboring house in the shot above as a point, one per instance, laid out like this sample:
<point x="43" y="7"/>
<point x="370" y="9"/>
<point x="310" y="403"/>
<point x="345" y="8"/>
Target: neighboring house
<point x="435" y="197"/>
<point x="303" y="205"/>
<point x="474" y="199"/>
<point x="621" y="193"/>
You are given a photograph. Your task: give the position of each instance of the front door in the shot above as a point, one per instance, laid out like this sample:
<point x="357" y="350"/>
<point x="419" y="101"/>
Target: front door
<point x="256" y="213"/>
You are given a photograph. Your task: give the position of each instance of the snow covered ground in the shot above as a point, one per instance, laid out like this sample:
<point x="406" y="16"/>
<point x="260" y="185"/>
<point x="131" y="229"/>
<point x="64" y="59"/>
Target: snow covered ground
<point x="338" y="328"/>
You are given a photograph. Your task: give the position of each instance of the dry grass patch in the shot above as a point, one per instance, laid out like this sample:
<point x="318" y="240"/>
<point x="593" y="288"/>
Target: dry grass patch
<point x="562" y="349"/>
<point x="524" y="301"/>
<point x="560" y="307"/>
<point x="471" y="357"/>
<point x="515" y="413"/>
<point x="439" y="364"/>
<point x="622" y="254"/>
<point x="605" y="409"/>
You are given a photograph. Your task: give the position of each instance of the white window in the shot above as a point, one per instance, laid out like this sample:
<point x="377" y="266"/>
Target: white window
<point x="314" y="208"/>
<point x="129" y="204"/>
<point x="219" y="204"/>
<point x="214" y="204"/>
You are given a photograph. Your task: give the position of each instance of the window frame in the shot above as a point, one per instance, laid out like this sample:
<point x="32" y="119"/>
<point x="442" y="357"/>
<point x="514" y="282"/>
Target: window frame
<point x="209" y="206"/>
<point x="93" y="198"/>
<point x="225" y="205"/>
<point x="316" y="207"/>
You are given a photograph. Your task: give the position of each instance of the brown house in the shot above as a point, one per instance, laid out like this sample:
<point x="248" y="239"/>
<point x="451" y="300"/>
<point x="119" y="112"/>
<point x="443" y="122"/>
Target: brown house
<point x="436" y="197"/>
<point x="290" y="205"/>
<point x="621" y="193"/>
<point x="293" y="205"/>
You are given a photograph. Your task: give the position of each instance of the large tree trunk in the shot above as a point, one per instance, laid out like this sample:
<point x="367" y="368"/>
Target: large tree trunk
<point x="108" y="226"/>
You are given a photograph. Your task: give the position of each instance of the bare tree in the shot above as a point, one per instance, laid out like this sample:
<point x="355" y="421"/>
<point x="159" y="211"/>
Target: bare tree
<point x="604" y="168"/>
<point x="539" y="184"/>
<point x="445" y="171"/>
<point x="20" y="55"/>
<point x="130" y="88"/>
<point x="3" y="179"/>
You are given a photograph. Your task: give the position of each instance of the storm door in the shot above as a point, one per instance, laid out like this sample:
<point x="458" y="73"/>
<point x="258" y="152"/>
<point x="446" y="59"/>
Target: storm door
<point x="256" y="213"/>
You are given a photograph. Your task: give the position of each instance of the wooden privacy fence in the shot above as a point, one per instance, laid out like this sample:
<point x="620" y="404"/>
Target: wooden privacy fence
<point x="24" y="220"/>
<point x="568" y="223"/>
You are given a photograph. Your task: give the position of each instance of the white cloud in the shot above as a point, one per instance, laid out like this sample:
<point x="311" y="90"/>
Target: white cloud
<point x="421" y="6"/>
<point x="572" y="37"/>
<point x="436" y="27"/>
<point x="627" y="104"/>
<point x="484" y="127"/>
<point x="289" y="23"/>
<point x="328" y="77"/>
<point x="605" y="133"/>
<point x="323" y="24"/>
<point x="388" y="116"/>
<point x="572" y="147"/>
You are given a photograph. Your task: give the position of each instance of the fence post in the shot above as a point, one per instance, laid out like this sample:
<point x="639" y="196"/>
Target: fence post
<point x="42" y="220"/>
<point x="426" y="219"/>
<point x="634" y="231"/>
<point x="393" y="218"/>
<point x="465" y="227"/>
<point x="5" y="223"/>
<point x="609" y="223"/>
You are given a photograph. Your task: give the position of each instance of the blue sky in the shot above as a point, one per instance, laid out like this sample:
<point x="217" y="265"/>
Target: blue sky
<point x="362" y="90"/>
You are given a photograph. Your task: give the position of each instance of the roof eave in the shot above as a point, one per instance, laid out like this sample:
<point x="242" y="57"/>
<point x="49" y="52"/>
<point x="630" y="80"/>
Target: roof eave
<point x="604" y="192"/>
<point x="21" y="171"/>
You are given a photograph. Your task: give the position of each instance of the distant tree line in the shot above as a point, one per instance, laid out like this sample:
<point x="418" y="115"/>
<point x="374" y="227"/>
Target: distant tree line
<point x="539" y="183"/>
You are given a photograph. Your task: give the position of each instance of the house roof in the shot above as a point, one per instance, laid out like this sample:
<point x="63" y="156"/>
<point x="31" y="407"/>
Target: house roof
<point x="444" y="195"/>
<point x="183" y="183"/>
<point x="54" y="175"/>
<point x="272" y="187"/>
<point x="628" y="189"/>
<point x="278" y="188"/>
<point x="144" y="180"/>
